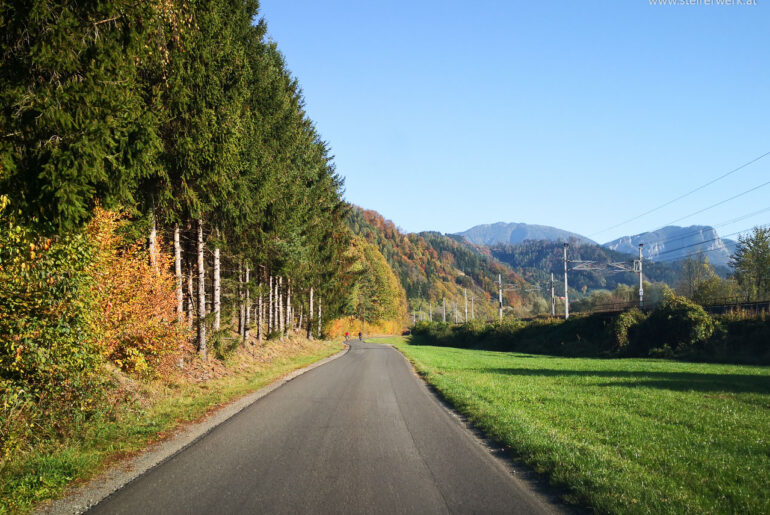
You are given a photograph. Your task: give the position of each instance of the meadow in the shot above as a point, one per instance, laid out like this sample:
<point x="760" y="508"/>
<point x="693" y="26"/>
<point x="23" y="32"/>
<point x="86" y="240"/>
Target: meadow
<point x="618" y="435"/>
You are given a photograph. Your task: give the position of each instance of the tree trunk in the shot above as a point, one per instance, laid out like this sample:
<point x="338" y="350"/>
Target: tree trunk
<point x="178" y="274"/>
<point x="298" y="327"/>
<point x="190" y="297"/>
<point x="289" y="315"/>
<point x="319" y="318"/>
<point x="241" y="317"/>
<point x="217" y="291"/>
<point x="260" y="316"/>
<point x="276" y="307"/>
<point x="270" y="305"/>
<point x="281" y="321"/>
<point x="247" y="309"/>
<point x="310" y="317"/>
<point x="154" y="244"/>
<point x="201" y="293"/>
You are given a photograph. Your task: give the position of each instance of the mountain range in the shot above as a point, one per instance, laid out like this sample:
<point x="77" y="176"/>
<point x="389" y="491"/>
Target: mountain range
<point x="513" y="233"/>
<point x="668" y="244"/>
<point x="673" y="243"/>
<point x="434" y="267"/>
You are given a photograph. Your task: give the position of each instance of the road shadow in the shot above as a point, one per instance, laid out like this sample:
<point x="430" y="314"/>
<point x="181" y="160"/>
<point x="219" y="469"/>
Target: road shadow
<point x="677" y="381"/>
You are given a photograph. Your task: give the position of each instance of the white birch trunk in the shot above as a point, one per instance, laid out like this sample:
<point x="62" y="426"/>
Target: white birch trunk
<point x="289" y="316"/>
<point x="201" y="293"/>
<point x="310" y="317"/>
<point x="241" y="316"/>
<point x="270" y="305"/>
<point x="154" y="244"/>
<point x="190" y="297"/>
<point x="217" y="291"/>
<point x="260" y="316"/>
<point x="276" y="307"/>
<point x="178" y="274"/>
<point x="281" y="321"/>
<point x="319" y="318"/>
<point x="248" y="308"/>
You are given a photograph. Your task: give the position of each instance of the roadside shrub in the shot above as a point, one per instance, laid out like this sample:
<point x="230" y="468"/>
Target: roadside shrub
<point x="680" y="323"/>
<point x="471" y="332"/>
<point x="623" y="324"/>
<point x="136" y="320"/>
<point x="740" y="338"/>
<point x="436" y="333"/>
<point x="664" y="352"/>
<point x="49" y="361"/>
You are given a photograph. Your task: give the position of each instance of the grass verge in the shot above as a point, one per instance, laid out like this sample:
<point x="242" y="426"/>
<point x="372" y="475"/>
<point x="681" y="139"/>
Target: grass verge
<point x="621" y="435"/>
<point x="146" y="411"/>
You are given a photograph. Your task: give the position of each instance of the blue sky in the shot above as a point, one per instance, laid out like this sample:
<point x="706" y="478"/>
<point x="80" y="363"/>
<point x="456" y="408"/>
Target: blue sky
<point x="443" y="115"/>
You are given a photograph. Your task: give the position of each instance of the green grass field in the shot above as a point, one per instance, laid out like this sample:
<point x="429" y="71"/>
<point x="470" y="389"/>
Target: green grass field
<point x="621" y="435"/>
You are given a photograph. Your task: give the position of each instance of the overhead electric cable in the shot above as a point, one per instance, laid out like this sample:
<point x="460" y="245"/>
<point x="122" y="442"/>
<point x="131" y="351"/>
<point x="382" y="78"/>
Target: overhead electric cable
<point x="720" y="203"/>
<point x="680" y="197"/>
<point x="720" y="224"/>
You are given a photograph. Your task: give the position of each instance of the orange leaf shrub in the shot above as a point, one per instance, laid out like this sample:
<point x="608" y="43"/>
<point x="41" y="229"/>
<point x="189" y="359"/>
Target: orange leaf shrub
<point x="339" y="326"/>
<point x="137" y="324"/>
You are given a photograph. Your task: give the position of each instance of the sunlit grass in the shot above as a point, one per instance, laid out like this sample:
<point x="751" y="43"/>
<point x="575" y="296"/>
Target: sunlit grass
<point x="622" y="435"/>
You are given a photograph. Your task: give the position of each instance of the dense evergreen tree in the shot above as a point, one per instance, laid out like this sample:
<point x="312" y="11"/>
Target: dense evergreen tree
<point x="75" y="130"/>
<point x="184" y="115"/>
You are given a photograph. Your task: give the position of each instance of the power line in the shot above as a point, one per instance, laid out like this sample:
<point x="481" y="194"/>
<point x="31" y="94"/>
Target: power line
<point x="680" y="197"/>
<point x="720" y="224"/>
<point x="720" y="203"/>
<point x="703" y="251"/>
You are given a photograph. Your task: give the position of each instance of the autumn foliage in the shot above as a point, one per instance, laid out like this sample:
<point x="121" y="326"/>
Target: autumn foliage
<point x="136" y="318"/>
<point x="67" y="305"/>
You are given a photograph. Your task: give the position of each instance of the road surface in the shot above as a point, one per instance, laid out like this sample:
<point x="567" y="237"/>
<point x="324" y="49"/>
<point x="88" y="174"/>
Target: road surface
<point x="360" y="434"/>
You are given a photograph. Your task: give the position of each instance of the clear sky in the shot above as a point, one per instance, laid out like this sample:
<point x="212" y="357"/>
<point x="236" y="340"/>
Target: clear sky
<point x="578" y="114"/>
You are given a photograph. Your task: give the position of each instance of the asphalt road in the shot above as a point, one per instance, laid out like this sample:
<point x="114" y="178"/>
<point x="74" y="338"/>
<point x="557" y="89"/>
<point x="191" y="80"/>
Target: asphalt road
<point x="360" y="434"/>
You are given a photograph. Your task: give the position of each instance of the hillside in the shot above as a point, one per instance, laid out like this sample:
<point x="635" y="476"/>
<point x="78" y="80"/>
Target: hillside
<point x="535" y="260"/>
<point x="513" y="233"/>
<point x="432" y="267"/>
<point x="673" y="243"/>
<point x="371" y="291"/>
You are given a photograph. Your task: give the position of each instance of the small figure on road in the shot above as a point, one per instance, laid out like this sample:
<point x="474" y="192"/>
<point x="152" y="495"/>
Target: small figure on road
<point x="360" y="336"/>
<point x="347" y="335"/>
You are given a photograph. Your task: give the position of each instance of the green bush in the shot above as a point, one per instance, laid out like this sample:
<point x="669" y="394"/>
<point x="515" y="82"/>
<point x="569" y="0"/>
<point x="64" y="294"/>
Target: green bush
<point x="471" y="332"/>
<point x="623" y="325"/>
<point x="437" y="333"/>
<point x="679" y="323"/>
<point x="677" y="329"/>
<point x="49" y="361"/>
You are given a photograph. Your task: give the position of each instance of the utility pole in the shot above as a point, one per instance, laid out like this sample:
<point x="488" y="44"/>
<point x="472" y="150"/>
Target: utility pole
<point x="465" y="294"/>
<point x="641" y="286"/>
<point x="566" y="289"/>
<point x="553" y="298"/>
<point x="473" y="317"/>
<point x="500" y="293"/>
<point x="444" y="301"/>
